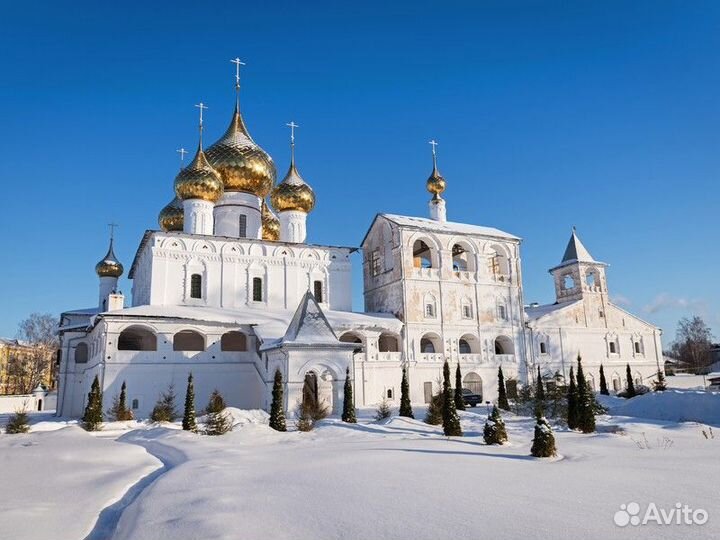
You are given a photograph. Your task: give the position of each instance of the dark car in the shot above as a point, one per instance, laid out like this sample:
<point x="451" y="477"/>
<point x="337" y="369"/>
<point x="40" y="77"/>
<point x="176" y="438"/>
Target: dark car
<point x="470" y="398"/>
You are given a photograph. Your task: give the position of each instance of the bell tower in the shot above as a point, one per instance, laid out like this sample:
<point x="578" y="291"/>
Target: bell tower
<point x="579" y="276"/>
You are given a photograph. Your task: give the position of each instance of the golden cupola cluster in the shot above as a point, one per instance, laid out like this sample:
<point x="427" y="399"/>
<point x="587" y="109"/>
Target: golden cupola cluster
<point x="199" y="180"/>
<point x="171" y="217"/>
<point x="241" y="163"/>
<point x="270" y="224"/>
<point x="109" y="266"/>
<point x="293" y="193"/>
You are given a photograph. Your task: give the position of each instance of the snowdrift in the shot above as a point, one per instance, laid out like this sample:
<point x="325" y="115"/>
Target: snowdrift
<point x="673" y="406"/>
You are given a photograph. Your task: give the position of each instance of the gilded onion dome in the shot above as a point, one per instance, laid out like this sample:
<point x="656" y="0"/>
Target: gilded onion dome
<point x="199" y="180"/>
<point x="109" y="266"/>
<point x="270" y="224"/>
<point x="242" y="164"/>
<point x="435" y="183"/>
<point x="171" y="217"/>
<point x="293" y="194"/>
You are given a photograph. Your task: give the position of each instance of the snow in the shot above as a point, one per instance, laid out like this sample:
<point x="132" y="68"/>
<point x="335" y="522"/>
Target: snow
<point x="448" y="226"/>
<point x="672" y="405"/>
<point x="397" y="478"/>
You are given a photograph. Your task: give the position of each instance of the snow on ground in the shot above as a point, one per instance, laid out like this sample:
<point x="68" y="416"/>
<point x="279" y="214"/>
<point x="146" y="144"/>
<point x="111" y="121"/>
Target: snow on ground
<point x="686" y="381"/>
<point x="671" y="405"/>
<point x="398" y="478"/>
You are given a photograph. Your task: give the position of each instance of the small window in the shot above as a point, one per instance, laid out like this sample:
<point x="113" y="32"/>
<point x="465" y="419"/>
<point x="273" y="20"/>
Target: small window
<point x="375" y="263"/>
<point x="637" y="347"/>
<point x="196" y="286"/>
<point x="390" y="393"/>
<point x="568" y="282"/>
<point x="467" y="311"/>
<point x="135" y="404"/>
<point x="613" y="348"/>
<point x="257" y="290"/>
<point x="242" y="231"/>
<point x="616" y="385"/>
<point x="502" y="313"/>
<point x="543" y="348"/>
<point x="81" y="353"/>
<point x="601" y="314"/>
<point x="429" y="310"/>
<point x="318" y="291"/>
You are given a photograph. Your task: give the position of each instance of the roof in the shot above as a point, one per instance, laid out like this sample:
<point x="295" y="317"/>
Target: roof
<point x="443" y="227"/>
<point x="535" y="312"/>
<point x="149" y="234"/>
<point x="575" y="252"/>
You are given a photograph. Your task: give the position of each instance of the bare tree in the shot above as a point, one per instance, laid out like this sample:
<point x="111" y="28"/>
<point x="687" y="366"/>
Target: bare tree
<point x="693" y="341"/>
<point x="26" y="371"/>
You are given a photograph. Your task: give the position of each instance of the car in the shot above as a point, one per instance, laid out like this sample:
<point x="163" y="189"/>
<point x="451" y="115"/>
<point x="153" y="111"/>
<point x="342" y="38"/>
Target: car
<point x="471" y="398"/>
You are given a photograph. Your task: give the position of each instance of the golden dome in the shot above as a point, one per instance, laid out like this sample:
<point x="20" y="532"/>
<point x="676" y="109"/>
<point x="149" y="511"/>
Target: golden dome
<point x="171" y="218"/>
<point x="270" y="224"/>
<point x="199" y="180"/>
<point x="242" y="164"/>
<point x="293" y="193"/>
<point x="109" y="266"/>
<point x="435" y="183"/>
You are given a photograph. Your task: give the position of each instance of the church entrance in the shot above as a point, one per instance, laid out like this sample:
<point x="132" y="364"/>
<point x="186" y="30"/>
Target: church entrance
<point x="310" y="390"/>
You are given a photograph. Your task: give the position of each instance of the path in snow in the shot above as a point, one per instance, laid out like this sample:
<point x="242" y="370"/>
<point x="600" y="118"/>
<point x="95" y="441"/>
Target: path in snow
<point x="109" y="517"/>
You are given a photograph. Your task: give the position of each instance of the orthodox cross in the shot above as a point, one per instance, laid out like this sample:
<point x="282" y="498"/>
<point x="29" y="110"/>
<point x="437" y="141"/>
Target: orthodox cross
<point x="434" y="143"/>
<point x="292" y="125"/>
<point x="202" y="107"/>
<point x="182" y="153"/>
<point x="112" y="230"/>
<point x="237" y="63"/>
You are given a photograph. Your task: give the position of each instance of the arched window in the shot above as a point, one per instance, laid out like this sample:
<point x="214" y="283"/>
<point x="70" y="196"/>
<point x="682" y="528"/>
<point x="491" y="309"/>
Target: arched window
<point x="137" y="338"/>
<point x="257" y="289"/>
<point x="466" y="309"/>
<point x="543" y="347"/>
<point x="81" y="353"/>
<point x="318" y="290"/>
<point x="463" y="259"/>
<point x="502" y="312"/>
<point x="233" y="341"/>
<point x="422" y="255"/>
<point x="568" y="282"/>
<point x="188" y="340"/>
<point x="468" y="344"/>
<point x="464" y="346"/>
<point x="616" y="383"/>
<point x="388" y="343"/>
<point x="590" y="280"/>
<point x="638" y="347"/>
<point x="135" y="404"/>
<point x="242" y="226"/>
<point x="504" y="345"/>
<point x="499" y="264"/>
<point x="389" y="393"/>
<point x="430" y="307"/>
<point x="473" y="382"/>
<point x="349" y="337"/>
<point x="430" y="344"/>
<point x="196" y="286"/>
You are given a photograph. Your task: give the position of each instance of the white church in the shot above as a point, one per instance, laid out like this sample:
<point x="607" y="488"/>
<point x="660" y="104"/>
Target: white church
<point x="231" y="291"/>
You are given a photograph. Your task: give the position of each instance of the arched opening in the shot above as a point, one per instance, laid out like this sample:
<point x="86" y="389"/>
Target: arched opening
<point x="188" y="340"/>
<point x="568" y="282"/>
<point x="499" y="264"/>
<point x="464" y="346"/>
<point x="504" y="345"/>
<point x="473" y="382"/>
<point x="543" y="347"/>
<point x="430" y="344"/>
<point x="137" y="338"/>
<point x="466" y="308"/>
<point x="196" y="286"/>
<point x="310" y="390"/>
<point x="616" y="382"/>
<point x="430" y="306"/>
<point x="81" y="353"/>
<point x="349" y="337"/>
<point x="468" y="344"/>
<point x="318" y="291"/>
<point x="591" y="279"/>
<point x="591" y="381"/>
<point x="39" y="405"/>
<point x="638" y="378"/>
<point x="233" y="341"/>
<point x="388" y="343"/>
<point x="463" y="258"/>
<point x="422" y="255"/>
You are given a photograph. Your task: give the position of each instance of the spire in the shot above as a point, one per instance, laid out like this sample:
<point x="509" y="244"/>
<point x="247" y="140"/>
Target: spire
<point x="576" y="251"/>
<point x="237" y="63"/>
<point x="434" y="144"/>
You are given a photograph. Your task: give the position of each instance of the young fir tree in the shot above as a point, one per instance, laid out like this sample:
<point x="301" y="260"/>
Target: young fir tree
<point x="502" y="391"/>
<point x="459" y="401"/>
<point x="383" y="410"/>
<point x="585" y="402"/>
<point x="659" y="385"/>
<point x="405" y="405"/>
<point x="348" y="414"/>
<point x="277" y="412"/>
<point x="218" y="421"/>
<point x="539" y="395"/>
<point x="189" y="422"/>
<point x="603" y="382"/>
<point x="434" y="415"/>
<point x="451" y="421"/>
<point x="119" y="411"/>
<point x="572" y="402"/>
<point x="494" y="431"/>
<point x="164" y="409"/>
<point x="630" y="391"/>
<point x="93" y="417"/>
<point x="18" y="422"/>
<point x="543" y="441"/>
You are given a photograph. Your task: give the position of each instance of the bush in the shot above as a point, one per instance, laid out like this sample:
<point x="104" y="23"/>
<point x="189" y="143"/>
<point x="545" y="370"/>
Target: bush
<point x="309" y="412"/>
<point x="659" y="385"/>
<point x="638" y="390"/>
<point x="18" y="422"/>
<point x="494" y="431"/>
<point x="218" y="421"/>
<point x="119" y="412"/>
<point x="544" y="440"/>
<point x="383" y="411"/>
<point x="164" y="410"/>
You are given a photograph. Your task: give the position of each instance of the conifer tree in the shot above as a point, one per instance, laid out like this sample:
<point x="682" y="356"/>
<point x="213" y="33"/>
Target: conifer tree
<point x="435" y="410"/>
<point x="502" y="391"/>
<point x="659" y="385"/>
<point x="539" y="395"/>
<point x="348" y="414"/>
<point x="459" y="401"/>
<point x="218" y="421"/>
<point x="543" y="441"/>
<point x="383" y="410"/>
<point x="585" y="402"/>
<point x="630" y="391"/>
<point x="603" y="382"/>
<point x="189" y="422"/>
<point x="277" y="411"/>
<point x="494" y="431"/>
<point x="164" y="409"/>
<point x="572" y="402"/>
<point x="119" y="411"/>
<point x="18" y="422"/>
<point x="451" y="421"/>
<point x="405" y="405"/>
<point x="93" y="417"/>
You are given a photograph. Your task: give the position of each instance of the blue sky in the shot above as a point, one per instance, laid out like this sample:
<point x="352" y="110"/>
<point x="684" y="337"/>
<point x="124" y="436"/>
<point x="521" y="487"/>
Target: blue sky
<point x="604" y="115"/>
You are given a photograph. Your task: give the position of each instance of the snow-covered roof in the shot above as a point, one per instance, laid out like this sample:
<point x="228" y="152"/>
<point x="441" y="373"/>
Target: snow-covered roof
<point x="534" y="312"/>
<point x="445" y="226"/>
<point x="575" y="252"/>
